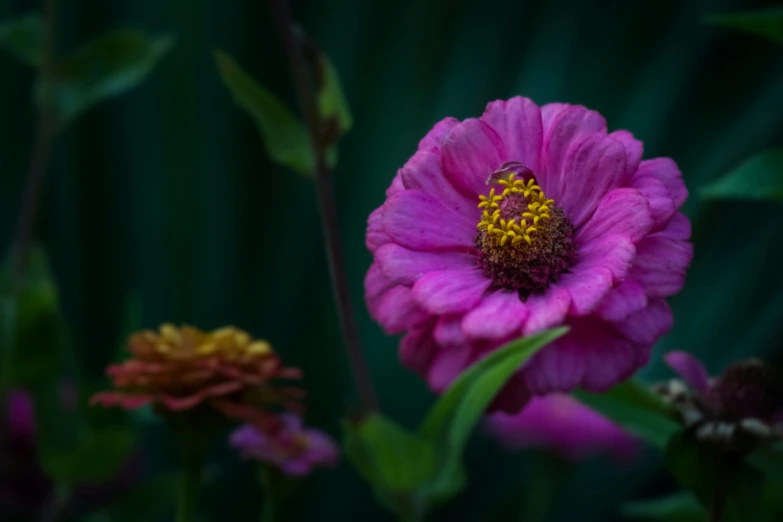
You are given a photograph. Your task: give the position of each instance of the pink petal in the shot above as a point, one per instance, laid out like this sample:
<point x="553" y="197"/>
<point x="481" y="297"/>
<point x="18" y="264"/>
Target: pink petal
<point x="398" y="312"/>
<point x="446" y="365"/>
<point x="472" y="151"/>
<point x="622" y="301"/>
<point x="559" y="366"/>
<point x="587" y="288"/>
<point x="660" y="265"/>
<point x="678" y="227"/>
<point x="633" y="150"/>
<point x="690" y="369"/>
<point x="569" y="125"/>
<point x="518" y="123"/>
<point x="418" y="349"/>
<point x="433" y="139"/>
<point x="499" y="315"/>
<point x="665" y="169"/>
<point x="423" y="172"/>
<point x="396" y="186"/>
<point x="549" y="114"/>
<point x="546" y="310"/>
<point x="406" y="266"/>
<point x="615" y="253"/>
<point x="622" y="211"/>
<point x="419" y="221"/>
<point x="376" y="237"/>
<point x="448" y="330"/>
<point x="609" y="358"/>
<point x="376" y="284"/>
<point x="648" y="325"/>
<point x="593" y="166"/>
<point x="451" y="291"/>
<point x="659" y="197"/>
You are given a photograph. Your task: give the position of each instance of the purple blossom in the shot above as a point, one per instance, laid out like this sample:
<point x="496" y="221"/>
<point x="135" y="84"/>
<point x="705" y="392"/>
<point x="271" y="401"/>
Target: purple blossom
<point x="521" y="220"/>
<point x="293" y="449"/>
<point x="563" y="425"/>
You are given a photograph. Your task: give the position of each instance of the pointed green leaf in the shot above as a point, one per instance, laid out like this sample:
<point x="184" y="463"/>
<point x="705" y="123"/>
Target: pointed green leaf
<point x="682" y="506"/>
<point x="439" y="420"/>
<point x="97" y="457"/>
<point x="453" y="417"/>
<point x="285" y="137"/>
<point x="103" y="68"/>
<point x="766" y="22"/>
<point x="760" y="177"/>
<point x="23" y="37"/>
<point x="331" y="100"/>
<point x="632" y="405"/>
<point x="388" y="456"/>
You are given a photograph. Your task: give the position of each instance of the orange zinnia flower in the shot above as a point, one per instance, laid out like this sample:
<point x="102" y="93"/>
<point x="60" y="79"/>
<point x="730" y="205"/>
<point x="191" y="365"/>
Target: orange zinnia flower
<point x="178" y="369"/>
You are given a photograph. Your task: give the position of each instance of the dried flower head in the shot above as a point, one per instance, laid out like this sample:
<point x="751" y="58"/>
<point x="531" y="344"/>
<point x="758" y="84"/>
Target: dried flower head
<point x="292" y="448"/>
<point x="738" y="410"/>
<point x="177" y="369"/>
<point x="521" y="220"/>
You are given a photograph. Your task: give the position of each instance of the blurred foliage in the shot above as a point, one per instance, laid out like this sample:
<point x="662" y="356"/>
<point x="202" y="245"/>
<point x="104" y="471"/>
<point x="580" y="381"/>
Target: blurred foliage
<point x="767" y="23"/>
<point x="759" y="177"/>
<point x="166" y="195"/>
<point x="677" y="507"/>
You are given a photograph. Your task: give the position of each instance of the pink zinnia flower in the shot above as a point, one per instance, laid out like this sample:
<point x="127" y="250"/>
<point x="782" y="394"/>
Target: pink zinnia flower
<point x="563" y="425"/>
<point x="293" y="449"/>
<point x="525" y="219"/>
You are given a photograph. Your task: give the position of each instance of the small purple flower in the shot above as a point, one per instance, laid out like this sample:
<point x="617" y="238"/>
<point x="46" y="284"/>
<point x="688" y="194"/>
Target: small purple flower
<point x="293" y="449"/>
<point x="563" y="425"/>
<point x="521" y="220"/>
<point x="740" y="409"/>
<point x="20" y="415"/>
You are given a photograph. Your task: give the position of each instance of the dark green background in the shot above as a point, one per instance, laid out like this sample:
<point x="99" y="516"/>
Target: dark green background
<point x="166" y="197"/>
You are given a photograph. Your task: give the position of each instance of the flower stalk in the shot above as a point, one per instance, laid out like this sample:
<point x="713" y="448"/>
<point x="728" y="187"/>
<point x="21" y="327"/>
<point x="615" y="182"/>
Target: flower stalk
<point x="192" y="462"/>
<point x="326" y="201"/>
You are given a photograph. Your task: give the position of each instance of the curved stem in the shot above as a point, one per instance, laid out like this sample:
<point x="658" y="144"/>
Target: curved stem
<point x="323" y="179"/>
<point x="43" y="140"/>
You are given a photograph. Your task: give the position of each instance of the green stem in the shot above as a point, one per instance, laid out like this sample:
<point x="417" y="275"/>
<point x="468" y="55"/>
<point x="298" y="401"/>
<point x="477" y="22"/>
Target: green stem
<point x="192" y="461"/>
<point x="275" y="494"/>
<point x="548" y="470"/>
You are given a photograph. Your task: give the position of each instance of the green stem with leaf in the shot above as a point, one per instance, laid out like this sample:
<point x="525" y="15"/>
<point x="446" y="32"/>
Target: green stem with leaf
<point x="323" y="178"/>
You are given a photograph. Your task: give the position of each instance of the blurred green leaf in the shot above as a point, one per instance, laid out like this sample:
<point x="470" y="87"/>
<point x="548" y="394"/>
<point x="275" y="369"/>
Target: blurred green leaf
<point x="451" y="420"/>
<point x="103" y="68"/>
<point x="632" y="405"/>
<point x="389" y="456"/>
<point x="285" y="137"/>
<point x="97" y="457"/>
<point x="760" y="177"/>
<point x="705" y="471"/>
<point x="767" y="22"/>
<point x="768" y="460"/>
<point x="33" y="331"/>
<point x="678" y="507"/>
<point x="22" y="38"/>
<point x="331" y="101"/>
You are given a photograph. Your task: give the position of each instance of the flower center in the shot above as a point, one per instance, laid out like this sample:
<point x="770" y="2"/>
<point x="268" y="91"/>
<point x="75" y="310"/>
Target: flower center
<point x="525" y="240"/>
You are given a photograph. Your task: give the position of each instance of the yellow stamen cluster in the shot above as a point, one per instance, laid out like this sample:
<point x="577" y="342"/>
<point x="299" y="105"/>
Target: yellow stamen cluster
<point x="511" y="231"/>
<point x="188" y="342"/>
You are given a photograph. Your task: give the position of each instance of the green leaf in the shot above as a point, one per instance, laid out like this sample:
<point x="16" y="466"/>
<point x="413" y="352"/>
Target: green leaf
<point x="452" y="418"/>
<point x="760" y="177"/>
<point x="632" y="405"/>
<point x="331" y="101"/>
<point x="769" y="460"/>
<point x="23" y="37"/>
<point x="103" y="68"/>
<point x="388" y="456"/>
<point x="767" y="22"/>
<point x="707" y="472"/>
<point x="682" y="506"/>
<point x="285" y="137"/>
<point x="98" y="457"/>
